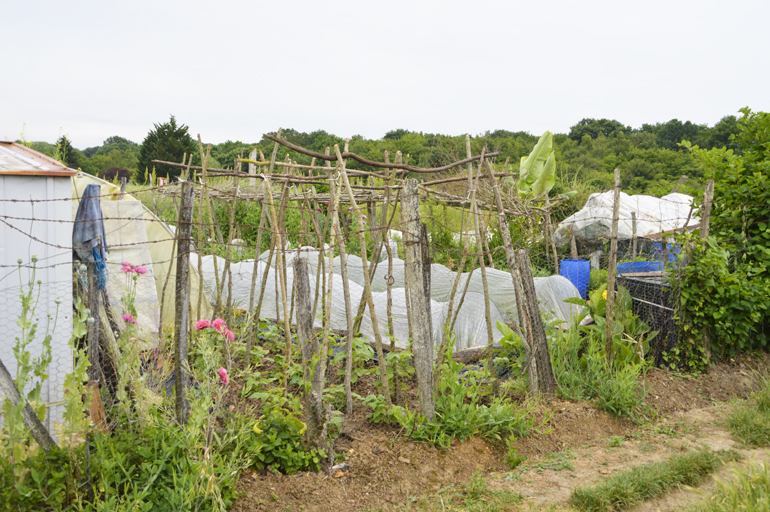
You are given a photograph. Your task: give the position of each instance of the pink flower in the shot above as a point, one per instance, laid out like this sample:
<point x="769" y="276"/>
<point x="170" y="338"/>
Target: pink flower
<point x="126" y="264"/>
<point x="140" y="270"/>
<point x="129" y="318"/>
<point x="217" y="324"/>
<point x="126" y="268"/>
<point x="229" y="334"/>
<point x="202" y="324"/>
<point x="223" y="376"/>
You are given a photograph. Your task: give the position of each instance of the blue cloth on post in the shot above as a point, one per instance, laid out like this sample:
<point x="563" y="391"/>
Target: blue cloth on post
<point x="88" y="234"/>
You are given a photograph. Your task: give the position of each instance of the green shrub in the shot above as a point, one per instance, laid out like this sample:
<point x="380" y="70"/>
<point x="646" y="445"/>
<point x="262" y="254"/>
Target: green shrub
<point x="459" y="413"/>
<point x="597" y="279"/>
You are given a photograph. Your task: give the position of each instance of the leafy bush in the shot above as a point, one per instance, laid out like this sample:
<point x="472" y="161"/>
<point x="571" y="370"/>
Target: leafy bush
<point x="459" y="413"/>
<point x="277" y="441"/>
<point x="597" y="279"/>
<point x="725" y="290"/>
<point x="578" y="357"/>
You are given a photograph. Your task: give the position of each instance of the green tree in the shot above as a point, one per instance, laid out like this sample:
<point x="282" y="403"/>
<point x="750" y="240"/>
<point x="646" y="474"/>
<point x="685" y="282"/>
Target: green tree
<point x="72" y="157"/>
<point x="595" y="127"/>
<point x="169" y="142"/>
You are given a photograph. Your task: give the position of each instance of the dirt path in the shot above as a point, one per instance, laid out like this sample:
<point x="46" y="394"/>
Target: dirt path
<point x="583" y="446"/>
<point x="551" y="478"/>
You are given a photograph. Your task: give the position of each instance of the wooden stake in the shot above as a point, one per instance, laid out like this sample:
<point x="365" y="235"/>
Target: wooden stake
<point x="339" y="239"/>
<point x="367" y="281"/>
<point x="309" y="345"/>
<point x="705" y="224"/>
<point x="541" y="379"/>
<point x="182" y="302"/>
<point x="549" y="234"/>
<point x="572" y="242"/>
<point x="423" y="338"/>
<point x="633" y="235"/>
<point x="611" y="271"/>
<point x="705" y="215"/>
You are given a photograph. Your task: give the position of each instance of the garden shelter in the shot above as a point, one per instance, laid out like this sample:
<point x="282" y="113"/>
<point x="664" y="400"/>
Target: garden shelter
<point x="35" y="197"/>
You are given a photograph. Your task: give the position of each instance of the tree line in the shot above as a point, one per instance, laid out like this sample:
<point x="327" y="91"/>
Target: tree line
<point x="651" y="158"/>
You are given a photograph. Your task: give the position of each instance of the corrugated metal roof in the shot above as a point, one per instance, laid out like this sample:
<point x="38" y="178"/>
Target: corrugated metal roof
<point x="21" y="160"/>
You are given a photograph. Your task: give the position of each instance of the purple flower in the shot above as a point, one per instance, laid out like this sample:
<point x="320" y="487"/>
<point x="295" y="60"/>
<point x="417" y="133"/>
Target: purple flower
<point x="129" y="318"/>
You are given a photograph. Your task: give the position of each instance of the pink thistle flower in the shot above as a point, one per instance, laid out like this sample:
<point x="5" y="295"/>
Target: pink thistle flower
<point x="202" y="324"/>
<point x="217" y="324"/>
<point x="129" y="318"/>
<point x="140" y="270"/>
<point x="223" y="376"/>
<point x="229" y="334"/>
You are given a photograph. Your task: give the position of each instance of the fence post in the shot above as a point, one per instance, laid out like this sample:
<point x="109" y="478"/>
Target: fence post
<point x="705" y="221"/>
<point x="309" y="347"/>
<point x="423" y="339"/>
<point x="94" y="330"/>
<point x="705" y="216"/>
<point x="541" y="378"/>
<point x="540" y="358"/>
<point x="633" y="234"/>
<point x="572" y="242"/>
<point x="611" y="270"/>
<point x="182" y="299"/>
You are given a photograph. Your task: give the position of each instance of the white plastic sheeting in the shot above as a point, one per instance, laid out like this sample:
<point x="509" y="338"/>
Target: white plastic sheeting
<point x="653" y="215"/>
<point x="470" y="328"/>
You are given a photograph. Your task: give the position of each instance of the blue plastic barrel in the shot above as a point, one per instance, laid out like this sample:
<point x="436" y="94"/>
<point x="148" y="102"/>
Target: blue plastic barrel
<point x="672" y="250"/>
<point x="578" y="272"/>
<point x="639" y="266"/>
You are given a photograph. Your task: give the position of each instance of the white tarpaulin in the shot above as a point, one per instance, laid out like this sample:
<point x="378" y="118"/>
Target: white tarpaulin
<point x="470" y="328"/>
<point x="653" y="215"/>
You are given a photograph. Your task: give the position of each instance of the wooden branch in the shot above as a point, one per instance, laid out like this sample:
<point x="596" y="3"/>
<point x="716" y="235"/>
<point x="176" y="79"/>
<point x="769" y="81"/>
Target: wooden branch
<point x="36" y="428"/>
<point x="363" y="160"/>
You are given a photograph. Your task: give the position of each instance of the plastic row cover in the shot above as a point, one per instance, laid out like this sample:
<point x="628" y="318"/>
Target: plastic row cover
<point x="653" y="215"/>
<point x="470" y="327"/>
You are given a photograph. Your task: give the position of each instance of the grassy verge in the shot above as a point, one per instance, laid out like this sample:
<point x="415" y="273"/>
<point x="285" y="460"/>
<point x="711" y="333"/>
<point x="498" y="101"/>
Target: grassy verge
<point x="641" y="483"/>
<point x="749" y="422"/>
<point x="748" y="490"/>
<point x="474" y="497"/>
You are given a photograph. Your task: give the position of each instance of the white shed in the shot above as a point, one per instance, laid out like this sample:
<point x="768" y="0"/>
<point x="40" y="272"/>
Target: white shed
<point x="35" y="210"/>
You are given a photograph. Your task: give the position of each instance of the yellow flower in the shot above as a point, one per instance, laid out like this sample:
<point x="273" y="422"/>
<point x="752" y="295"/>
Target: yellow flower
<point x="604" y="294"/>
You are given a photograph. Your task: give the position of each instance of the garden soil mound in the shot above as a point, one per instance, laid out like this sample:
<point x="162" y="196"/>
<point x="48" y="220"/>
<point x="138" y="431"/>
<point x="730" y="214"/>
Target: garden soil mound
<point x="578" y="446"/>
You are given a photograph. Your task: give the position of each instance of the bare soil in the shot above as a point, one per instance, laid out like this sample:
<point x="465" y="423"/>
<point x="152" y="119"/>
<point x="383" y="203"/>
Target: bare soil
<point x="581" y="446"/>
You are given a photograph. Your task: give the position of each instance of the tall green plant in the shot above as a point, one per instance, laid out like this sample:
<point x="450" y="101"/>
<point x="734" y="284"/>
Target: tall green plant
<point x="726" y="287"/>
<point x="537" y="173"/>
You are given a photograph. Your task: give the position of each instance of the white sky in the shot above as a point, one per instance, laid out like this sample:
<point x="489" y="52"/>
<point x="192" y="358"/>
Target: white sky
<point x="236" y="69"/>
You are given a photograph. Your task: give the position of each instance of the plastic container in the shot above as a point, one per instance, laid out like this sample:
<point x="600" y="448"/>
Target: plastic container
<point x="671" y="249"/>
<point x="639" y="266"/>
<point x="578" y="272"/>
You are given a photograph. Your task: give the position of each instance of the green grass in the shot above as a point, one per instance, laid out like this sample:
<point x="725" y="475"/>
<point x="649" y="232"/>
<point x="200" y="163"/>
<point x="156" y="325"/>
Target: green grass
<point x="474" y="497"/>
<point x="641" y="483"/>
<point x="749" y="421"/>
<point x="749" y="490"/>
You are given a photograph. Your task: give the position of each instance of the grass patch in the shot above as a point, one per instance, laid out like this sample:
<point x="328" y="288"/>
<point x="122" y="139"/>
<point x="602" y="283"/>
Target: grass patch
<point x="641" y="483"/>
<point x="749" y="421"/>
<point x="474" y="497"/>
<point x="556" y="461"/>
<point x="749" y="489"/>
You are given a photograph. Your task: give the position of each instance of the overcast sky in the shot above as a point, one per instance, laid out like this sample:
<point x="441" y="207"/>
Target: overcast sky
<point x="236" y="69"/>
